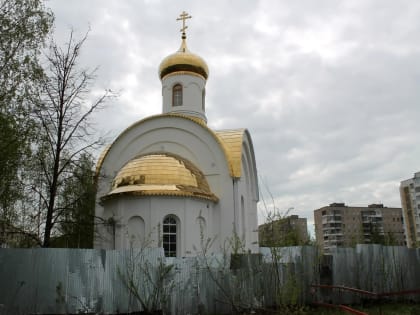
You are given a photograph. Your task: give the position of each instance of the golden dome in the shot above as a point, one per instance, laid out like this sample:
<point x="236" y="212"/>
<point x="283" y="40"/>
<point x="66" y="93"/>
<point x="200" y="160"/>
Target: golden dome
<point x="161" y="174"/>
<point x="183" y="60"/>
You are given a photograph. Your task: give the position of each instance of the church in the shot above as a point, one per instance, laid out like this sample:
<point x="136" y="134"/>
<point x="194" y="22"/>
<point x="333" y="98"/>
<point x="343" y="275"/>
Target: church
<point x="170" y="181"/>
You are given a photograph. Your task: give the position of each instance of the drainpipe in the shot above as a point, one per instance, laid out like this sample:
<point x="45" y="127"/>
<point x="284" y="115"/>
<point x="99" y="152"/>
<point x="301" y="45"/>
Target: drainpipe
<point x="235" y="205"/>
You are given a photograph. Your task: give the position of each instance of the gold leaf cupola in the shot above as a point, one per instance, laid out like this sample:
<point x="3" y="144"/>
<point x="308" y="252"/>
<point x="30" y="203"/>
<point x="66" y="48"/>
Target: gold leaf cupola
<point x="183" y="59"/>
<point x="184" y="75"/>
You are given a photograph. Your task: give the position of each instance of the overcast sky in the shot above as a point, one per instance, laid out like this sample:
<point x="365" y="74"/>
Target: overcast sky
<point x="329" y="90"/>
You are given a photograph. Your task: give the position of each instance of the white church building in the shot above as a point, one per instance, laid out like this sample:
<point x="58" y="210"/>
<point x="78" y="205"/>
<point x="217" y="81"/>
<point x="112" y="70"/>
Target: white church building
<point x="170" y="181"/>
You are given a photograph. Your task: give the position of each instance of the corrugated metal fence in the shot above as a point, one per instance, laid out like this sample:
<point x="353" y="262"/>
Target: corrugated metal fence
<point x="70" y="281"/>
<point x="375" y="268"/>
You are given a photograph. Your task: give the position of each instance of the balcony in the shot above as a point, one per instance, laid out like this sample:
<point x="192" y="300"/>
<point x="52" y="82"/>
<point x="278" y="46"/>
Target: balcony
<point x="332" y="232"/>
<point x="331" y="219"/>
<point x="331" y="225"/>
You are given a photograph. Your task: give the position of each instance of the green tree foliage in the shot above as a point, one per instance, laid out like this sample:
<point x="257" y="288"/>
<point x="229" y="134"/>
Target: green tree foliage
<point x="75" y="224"/>
<point x="24" y="26"/>
<point x="9" y="163"/>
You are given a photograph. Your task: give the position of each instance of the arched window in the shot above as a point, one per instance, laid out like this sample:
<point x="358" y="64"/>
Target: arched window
<point x="170" y="227"/>
<point x="177" y="95"/>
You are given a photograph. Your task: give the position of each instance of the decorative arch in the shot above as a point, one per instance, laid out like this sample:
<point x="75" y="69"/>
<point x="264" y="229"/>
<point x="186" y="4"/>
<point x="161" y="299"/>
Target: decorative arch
<point x="135" y="232"/>
<point x="171" y="235"/>
<point x="177" y="97"/>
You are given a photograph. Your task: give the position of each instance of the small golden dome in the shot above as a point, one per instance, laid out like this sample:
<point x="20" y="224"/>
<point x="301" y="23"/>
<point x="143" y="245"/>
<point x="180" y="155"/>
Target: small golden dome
<point x="183" y="60"/>
<point x="161" y="174"/>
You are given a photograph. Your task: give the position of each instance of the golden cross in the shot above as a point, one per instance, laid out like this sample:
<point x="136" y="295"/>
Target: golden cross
<point x="183" y="16"/>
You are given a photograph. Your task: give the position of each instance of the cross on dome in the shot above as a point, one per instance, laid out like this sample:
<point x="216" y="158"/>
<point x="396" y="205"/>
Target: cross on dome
<point x="182" y="17"/>
<point x="183" y="60"/>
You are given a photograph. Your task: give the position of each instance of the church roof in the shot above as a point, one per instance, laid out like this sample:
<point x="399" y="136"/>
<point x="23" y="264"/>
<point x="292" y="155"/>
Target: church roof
<point x="232" y="141"/>
<point x="161" y="174"/>
<point x="183" y="61"/>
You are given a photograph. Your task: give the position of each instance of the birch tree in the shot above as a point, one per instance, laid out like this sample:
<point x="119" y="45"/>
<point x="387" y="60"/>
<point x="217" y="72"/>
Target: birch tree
<point x="24" y="26"/>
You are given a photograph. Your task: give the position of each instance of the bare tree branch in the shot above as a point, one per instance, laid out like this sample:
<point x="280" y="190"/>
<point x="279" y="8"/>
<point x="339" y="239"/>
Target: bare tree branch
<point x="64" y="125"/>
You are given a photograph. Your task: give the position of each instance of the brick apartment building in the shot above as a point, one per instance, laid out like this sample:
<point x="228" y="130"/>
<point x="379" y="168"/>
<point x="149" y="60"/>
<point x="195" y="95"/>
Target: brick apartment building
<point x="338" y="225"/>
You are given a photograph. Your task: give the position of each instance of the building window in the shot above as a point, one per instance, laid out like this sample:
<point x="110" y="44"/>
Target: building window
<point x="203" y="99"/>
<point x="170" y="236"/>
<point x="177" y="95"/>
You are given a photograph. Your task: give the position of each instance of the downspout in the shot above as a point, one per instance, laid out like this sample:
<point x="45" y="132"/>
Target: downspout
<point x="235" y="204"/>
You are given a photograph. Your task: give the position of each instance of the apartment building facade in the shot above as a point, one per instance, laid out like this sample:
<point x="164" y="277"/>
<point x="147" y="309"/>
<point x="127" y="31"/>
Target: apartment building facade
<point x="338" y="225"/>
<point x="410" y="202"/>
<point x="288" y="231"/>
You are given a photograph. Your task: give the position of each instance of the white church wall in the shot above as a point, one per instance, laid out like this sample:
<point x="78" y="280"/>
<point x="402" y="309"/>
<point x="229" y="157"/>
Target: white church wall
<point x="248" y="224"/>
<point x="138" y="222"/>
<point x="152" y="210"/>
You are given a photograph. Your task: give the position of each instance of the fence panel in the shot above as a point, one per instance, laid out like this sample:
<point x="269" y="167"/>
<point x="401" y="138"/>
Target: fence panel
<point x="71" y="281"/>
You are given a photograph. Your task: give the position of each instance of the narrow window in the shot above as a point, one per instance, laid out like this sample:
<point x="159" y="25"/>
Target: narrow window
<point x="169" y="236"/>
<point x="177" y="95"/>
<point x="203" y="99"/>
